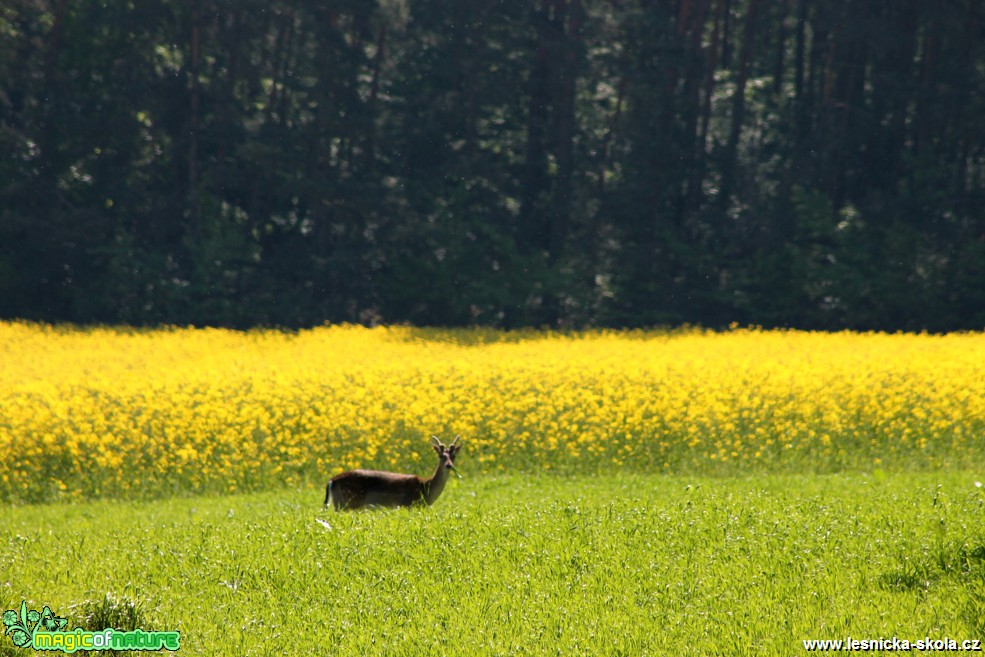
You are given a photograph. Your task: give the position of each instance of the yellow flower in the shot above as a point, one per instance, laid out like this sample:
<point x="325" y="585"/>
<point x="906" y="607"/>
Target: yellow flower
<point x="123" y="412"/>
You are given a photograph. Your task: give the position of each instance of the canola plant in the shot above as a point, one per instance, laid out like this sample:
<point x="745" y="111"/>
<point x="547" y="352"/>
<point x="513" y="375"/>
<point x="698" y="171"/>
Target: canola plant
<point x="135" y="413"/>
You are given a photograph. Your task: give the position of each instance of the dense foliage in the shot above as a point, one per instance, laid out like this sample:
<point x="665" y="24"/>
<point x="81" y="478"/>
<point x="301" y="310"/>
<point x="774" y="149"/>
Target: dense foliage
<point x="816" y="163"/>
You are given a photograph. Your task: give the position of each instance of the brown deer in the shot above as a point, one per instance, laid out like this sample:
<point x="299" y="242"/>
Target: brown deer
<point x="358" y="488"/>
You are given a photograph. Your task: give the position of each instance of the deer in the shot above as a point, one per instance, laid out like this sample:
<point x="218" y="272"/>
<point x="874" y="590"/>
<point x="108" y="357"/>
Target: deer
<point x="355" y="489"/>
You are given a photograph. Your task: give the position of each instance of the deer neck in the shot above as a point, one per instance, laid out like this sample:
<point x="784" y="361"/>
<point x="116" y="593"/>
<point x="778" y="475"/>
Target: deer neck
<point x="436" y="484"/>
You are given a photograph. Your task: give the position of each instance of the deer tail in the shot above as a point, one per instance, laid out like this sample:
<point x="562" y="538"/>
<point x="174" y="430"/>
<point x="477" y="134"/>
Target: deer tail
<point x="328" y="494"/>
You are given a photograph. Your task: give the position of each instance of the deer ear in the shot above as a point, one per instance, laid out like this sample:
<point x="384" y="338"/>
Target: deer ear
<point x="436" y="444"/>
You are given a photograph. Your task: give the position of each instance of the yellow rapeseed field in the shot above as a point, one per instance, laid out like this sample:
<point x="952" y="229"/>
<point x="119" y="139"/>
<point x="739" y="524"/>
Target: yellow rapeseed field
<point x="116" y="412"/>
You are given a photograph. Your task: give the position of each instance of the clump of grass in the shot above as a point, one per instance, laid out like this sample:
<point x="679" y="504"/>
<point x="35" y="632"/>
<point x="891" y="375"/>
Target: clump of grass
<point x="119" y="613"/>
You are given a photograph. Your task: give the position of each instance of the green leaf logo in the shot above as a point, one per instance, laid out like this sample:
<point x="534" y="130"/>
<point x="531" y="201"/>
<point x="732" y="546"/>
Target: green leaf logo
<point x="22" y="626"/>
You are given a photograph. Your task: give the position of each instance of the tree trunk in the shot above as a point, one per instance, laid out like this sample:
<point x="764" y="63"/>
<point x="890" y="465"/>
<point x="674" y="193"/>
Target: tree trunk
<point x="194" y="121"/>
<point x="709" y="87"/>
<point x="738" y="105"/>
<point x="535" y="159"/>
<point x="52" y="98"/>
<point x="781" y="44"/>
<point x="565" y="126"/>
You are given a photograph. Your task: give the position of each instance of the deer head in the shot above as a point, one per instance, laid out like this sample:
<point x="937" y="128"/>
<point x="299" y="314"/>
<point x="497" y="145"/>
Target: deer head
<point x="446" y="454"/>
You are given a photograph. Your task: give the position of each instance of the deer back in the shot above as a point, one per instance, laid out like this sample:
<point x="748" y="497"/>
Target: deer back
<point x="358" y="488"/>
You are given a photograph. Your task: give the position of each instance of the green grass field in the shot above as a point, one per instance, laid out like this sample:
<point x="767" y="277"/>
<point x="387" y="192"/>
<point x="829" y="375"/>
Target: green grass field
<point x="547" y="565"/>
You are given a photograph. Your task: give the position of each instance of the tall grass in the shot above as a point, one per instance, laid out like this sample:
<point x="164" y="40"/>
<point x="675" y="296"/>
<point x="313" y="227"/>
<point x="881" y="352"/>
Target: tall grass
<point x="541" y="565"/>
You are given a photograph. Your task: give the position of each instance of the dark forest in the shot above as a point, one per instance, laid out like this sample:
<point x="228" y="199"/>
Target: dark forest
<point x="817" y="164"/>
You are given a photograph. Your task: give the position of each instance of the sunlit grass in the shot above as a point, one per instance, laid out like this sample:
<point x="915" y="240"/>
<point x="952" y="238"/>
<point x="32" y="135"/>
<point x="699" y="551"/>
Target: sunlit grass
<point x="505" y="565"/>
